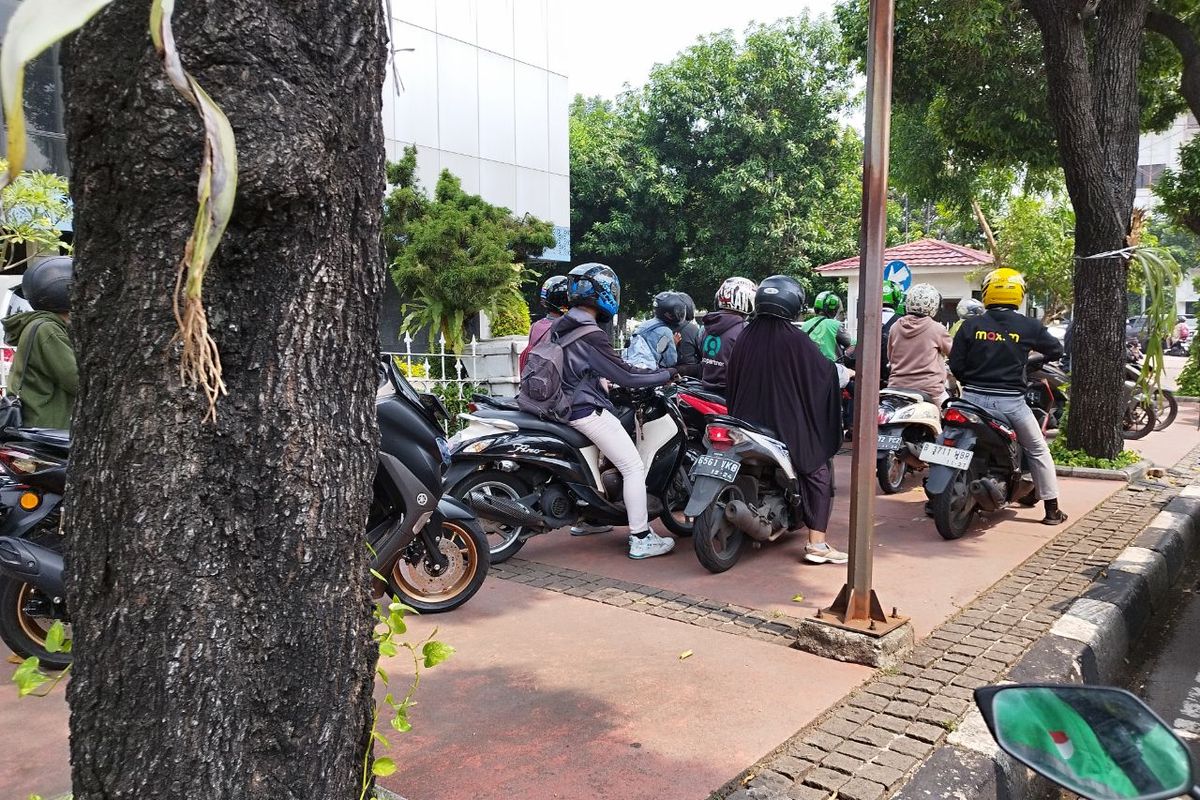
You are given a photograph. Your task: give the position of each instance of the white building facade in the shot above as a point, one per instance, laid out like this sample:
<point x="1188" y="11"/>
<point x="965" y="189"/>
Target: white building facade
<point x="485" y="96"/>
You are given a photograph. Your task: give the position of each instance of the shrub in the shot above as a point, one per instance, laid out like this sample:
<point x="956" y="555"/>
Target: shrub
<point x="511" y="316"/>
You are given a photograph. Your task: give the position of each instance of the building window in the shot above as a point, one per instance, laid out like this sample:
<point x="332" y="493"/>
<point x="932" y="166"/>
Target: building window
<point x="1148" y="174"/>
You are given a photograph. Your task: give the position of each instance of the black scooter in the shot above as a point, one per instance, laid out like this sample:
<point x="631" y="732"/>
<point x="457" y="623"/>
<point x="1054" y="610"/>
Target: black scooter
<point x="529" y="476"/>
<point x="976" y="465"/>
<point x="429" y="548"/>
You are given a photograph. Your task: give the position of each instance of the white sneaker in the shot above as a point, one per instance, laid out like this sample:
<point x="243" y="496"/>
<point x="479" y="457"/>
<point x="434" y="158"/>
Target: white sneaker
<point x="650" y="546"/>
<point x="588" y="530"/>
<point x="824" y="554"/>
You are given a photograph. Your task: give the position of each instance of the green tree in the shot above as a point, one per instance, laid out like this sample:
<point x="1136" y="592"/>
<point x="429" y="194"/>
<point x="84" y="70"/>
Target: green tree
<point x="730" y="161"/>
<point x="33" y="209"/>
<point x="455" y="255"/>
<point x="1036" y="237"/>
<point x="1044" y="84"/>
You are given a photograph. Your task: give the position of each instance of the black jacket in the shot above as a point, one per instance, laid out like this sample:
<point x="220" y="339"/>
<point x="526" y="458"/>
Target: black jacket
<point x="990" y="351"/>
<point x="689" y="350"/>
<point x="720" y="332"/>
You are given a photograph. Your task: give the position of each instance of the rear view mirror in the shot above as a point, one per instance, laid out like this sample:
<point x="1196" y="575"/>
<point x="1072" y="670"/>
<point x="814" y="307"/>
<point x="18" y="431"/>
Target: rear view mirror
<point x="1098" y="742"/>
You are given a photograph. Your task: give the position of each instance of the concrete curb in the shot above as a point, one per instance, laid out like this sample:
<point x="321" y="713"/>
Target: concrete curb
<point x="1129" y="474"/>
<point x="1088" y="644"/>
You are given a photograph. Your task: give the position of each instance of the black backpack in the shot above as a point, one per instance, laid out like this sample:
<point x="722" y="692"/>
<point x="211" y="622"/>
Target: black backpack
<point x="541" y="390"/>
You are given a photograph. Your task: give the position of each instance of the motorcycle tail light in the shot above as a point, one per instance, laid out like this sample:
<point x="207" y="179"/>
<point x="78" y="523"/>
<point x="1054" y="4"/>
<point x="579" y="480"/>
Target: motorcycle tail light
<point x="956" y="417"/>
<point x="884" y="416"/>
<point x="720" y="437"/>
<point x="472" y="407"/>
<point x="19" y="462"/>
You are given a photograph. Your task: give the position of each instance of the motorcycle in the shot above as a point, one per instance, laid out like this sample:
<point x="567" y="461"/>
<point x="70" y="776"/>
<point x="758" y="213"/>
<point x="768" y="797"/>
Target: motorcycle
<point x="1166" y="407"/>
<point x="975" y="465"/>
<point x="426" y="549"/>
<point x="526" y="476"/>
<point x="745" y="488"/>
<point x="1047" y="392"/>
<point x="907" y="420"/>
<point x="1096" y="741"/>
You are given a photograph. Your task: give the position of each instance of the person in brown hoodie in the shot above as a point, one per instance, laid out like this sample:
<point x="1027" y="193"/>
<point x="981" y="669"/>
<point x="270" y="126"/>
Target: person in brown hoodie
<point x="918" y="346"/>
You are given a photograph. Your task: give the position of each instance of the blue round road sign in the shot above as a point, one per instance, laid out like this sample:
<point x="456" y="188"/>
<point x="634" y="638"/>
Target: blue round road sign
<point x="898" y="272"/>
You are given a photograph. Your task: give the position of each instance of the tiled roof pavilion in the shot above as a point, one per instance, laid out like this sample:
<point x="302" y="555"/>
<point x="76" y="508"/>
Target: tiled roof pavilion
<point x="922" y="253"/>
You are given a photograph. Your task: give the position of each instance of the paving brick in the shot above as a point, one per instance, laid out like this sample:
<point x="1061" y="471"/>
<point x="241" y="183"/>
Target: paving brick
<point x="774" y="784"/>
<point x="794" y="768"/>
<point x="823" y="741"/>
<point x="910" y="695"/>
<point x="877" y="737"/>
<point x="827" y="779"/>
<point x="881" y="773"/>
<point x="924" y="684"/>
<point x="805" y="752"/>
<point x="870" y="702"/>
<point x="843" y="762"/>
<point x="923" y="731"/>
<point x="842" y="728"/>
<point x="863" y="752"/>
<point x="952" y="704"/>
<point x="889" y="723"/>
<point x="856" y="715"/>
<point x="899" y="708"/>
<point x="802" y="792"/>
<point x="860" y="789"/>
<point x="937" y="716"/>
<point x="911" y="747"/>
<point x="896" y="760"/>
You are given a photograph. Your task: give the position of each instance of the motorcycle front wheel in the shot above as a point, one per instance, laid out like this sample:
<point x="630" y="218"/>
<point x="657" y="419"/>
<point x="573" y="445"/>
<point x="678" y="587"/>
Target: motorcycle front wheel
<point x="25" y="619"/>
<point x="890" y="470"/>
<point x="1139" y="419"/>
<point x="1166" y="408"/>
<point x="717" y="541"/>
<point x="430" y="590"/>
<point x="953" y="508"/>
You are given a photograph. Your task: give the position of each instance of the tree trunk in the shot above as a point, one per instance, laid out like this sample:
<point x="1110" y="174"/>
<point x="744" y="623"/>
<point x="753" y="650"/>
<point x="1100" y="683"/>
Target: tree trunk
<point x="1093" y="104"/>
<point x="217" y="572"/>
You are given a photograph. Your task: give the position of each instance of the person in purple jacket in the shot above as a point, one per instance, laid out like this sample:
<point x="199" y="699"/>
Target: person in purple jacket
<point x="734" y="303"/>
<point x="554" y="303"/>
<point x="594" y="295"/>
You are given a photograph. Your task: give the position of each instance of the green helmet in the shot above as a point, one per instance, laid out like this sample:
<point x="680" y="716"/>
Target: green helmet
<point x="893" y="295"/>
<point x="827" y="303"/>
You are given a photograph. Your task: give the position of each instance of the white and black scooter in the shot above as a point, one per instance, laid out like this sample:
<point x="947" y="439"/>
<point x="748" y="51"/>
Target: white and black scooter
<point x="523" y="475"/>
<point x="907" y="420"/>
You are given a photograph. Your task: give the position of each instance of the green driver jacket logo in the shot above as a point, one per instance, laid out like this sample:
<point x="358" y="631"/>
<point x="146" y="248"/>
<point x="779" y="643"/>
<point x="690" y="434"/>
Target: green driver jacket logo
<point x="711" y="345"/>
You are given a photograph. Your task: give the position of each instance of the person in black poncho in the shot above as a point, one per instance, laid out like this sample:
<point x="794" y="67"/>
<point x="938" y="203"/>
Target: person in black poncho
<point x="778" y="378"/>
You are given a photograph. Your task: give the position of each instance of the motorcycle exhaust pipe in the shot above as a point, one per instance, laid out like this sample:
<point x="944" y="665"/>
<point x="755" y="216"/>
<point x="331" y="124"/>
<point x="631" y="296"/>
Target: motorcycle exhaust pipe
<point x="742" y="517"/>
<point x="32" y="563"/>
<point x="503" y="509"/>
<point x="987" y="494"/>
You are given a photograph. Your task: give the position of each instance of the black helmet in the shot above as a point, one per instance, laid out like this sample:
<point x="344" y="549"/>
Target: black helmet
<point x="47" y="284"/>
<point x="670" y="307"/>
<point x="691" y="305"/>
<point x="554" y="294"/>
<point x="597" y="286"/>
<point x="780" y="296"/>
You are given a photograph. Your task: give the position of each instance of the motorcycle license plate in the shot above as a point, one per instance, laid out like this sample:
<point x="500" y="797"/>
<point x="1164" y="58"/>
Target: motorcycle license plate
<point x="890" y="442"/>
<point x="946" y="456"/>
<point x="716" y="467"/>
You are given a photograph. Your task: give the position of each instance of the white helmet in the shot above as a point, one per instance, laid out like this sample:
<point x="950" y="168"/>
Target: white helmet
<point x="737" y="294"/>
<point x="923" y="300"/>
<point x="969" y="307"/>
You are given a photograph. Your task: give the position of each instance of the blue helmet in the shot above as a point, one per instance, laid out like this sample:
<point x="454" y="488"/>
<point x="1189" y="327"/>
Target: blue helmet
<point x="597" y="286"/>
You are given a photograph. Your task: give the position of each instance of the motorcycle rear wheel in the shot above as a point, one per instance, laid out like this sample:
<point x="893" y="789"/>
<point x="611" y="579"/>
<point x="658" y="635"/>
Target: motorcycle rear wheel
<point x="466" y="546"/>
<point x="1166" y="408"/>
<point x="890" y="470"/>
<point x="717" y="541"/>
<point x="503" y="540"/>
<point x="953" y="508"/>
<point x="1139" y="419"/>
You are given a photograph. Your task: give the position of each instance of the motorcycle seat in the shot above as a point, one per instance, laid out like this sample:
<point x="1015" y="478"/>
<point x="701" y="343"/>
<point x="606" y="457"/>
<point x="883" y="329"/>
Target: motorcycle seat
<point x="907" y="394"/>
<point x="529" y="423"/>
<point x="492" y="401"/>
<point x="51" y="437"/>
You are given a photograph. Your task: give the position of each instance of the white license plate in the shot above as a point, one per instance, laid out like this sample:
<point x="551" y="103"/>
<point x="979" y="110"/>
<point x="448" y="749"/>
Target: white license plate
<point x="946" y="456"/>
<point x="716" y="467"/>
<point x="890" y="442"/>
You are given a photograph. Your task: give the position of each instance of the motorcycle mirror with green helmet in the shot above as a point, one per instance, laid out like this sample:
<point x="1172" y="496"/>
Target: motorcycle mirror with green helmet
<point x="827" y="303"/>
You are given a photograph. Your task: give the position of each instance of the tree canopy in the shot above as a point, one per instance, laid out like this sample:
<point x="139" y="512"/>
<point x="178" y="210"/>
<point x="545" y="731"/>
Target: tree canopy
<point x="731" y="160"/>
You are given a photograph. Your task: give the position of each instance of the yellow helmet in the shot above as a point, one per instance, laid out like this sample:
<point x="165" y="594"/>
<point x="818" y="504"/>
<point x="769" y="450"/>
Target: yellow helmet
<point x="1004" y="287"/>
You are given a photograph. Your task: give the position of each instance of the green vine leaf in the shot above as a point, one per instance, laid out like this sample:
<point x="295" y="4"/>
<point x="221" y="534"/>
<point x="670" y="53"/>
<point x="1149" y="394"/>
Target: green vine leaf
<point x="34" y="27"/>
<point x="383" y="767"/>
<point x="29" y="676"/>
<point x="435" y="653"/>
<point x="56" y="638"/>
<point x="387" y="648"/>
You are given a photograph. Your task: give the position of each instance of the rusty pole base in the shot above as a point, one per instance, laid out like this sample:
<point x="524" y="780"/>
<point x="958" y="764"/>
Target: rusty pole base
<point x="862" y="614"/>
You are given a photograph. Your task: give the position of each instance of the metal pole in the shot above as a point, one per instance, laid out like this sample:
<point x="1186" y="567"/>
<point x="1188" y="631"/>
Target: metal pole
<point x="857" y="605"/>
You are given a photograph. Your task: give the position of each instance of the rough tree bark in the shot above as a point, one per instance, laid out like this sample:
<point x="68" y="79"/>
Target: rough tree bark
<point x="218" y="574"/>
<point x="1094" y="107"/>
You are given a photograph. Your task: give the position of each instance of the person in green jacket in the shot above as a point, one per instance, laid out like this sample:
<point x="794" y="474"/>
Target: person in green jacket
<point x="44" y="374"/>
<point x="827" y="333"/>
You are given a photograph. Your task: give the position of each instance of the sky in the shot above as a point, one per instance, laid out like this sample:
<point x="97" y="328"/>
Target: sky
<point x="614" y="42"/>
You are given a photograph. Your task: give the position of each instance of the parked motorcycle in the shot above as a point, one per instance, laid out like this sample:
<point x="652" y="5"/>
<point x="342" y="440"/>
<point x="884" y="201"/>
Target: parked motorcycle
<point x="907" y="420"/>
<point x="1047" y="392"/>
<point x="1166" y="407"/>
<point x="526" y="476"/>
<point x="976" y="465"/>
<point x="1096" y="741"/>
<point x="430" y="549"/>
<point x="745" y="489"/>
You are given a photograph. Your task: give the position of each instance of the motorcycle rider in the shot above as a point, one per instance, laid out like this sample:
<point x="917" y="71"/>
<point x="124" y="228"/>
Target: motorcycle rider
<point x="654" y="343"/>
<point x="988" y="358"/>
<point x="688" y="343"/>
<point x="967" y="307"/>
<point x="554" y="303"/>
<point x="734" y="302"/>
<point x="918" y="346"/>
<point x="44" y="372"/>
<point x="778" y="378"/>
<point x="594" y="295"/>
<point x="824" y="328"/>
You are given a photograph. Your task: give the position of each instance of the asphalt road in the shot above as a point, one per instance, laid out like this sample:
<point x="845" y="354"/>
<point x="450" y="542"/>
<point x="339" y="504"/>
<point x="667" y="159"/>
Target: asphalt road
<point x="1168" y="678"/>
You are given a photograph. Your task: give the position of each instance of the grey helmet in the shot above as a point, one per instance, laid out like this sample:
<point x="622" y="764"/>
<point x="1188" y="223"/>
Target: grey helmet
<point x="47" y="284"/>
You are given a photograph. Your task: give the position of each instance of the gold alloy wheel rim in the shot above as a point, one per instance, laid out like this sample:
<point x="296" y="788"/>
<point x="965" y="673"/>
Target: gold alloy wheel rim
<point x="457" y="544"/>
<point x="29" y="625"/>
